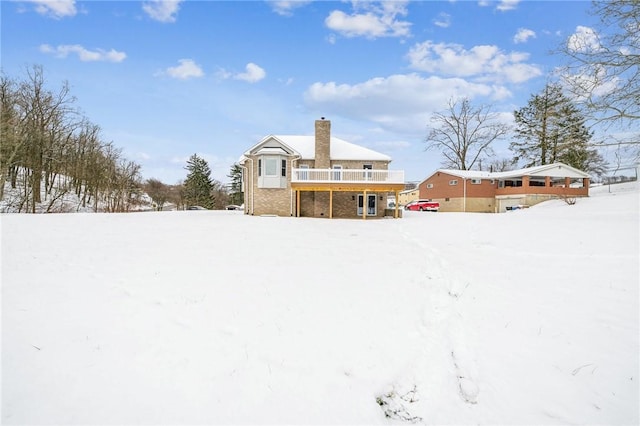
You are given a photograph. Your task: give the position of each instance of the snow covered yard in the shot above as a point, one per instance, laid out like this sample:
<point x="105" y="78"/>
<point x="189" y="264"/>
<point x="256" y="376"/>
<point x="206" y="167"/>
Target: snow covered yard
<point x="198" y="317"/>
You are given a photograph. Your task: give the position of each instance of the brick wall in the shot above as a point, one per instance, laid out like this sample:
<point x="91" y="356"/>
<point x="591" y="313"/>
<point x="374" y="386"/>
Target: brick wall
<point x="323" y="144"/>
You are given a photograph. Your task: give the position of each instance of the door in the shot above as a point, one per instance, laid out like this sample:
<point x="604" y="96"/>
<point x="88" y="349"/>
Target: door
<point x="371" y="204"/>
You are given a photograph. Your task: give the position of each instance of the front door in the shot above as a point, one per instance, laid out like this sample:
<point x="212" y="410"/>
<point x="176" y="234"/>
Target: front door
<point x="371" y="204"/>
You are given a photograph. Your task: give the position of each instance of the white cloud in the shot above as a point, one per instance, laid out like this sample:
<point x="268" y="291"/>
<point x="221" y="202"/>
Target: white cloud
<point x="55" y="8"/>
<point x="523" y="35"/>
<point x="398" y="102"/>
<point x="285" y="8"/>
<point x="162" y="10"/>
<point x="253" y="74"/>
<point x="371" y="20"/>
<point x="591" y="81"/>
<point x="84" y="55"/>
<point x="585" y="39"/>
<point x="186" y="70"/>
<point x="443" y="20"/>
<point x="484" y="62"/>
<point x="507" y="5"/>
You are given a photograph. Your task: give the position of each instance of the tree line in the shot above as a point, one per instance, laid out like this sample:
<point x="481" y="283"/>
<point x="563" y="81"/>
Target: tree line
<point x="51" y="151"/>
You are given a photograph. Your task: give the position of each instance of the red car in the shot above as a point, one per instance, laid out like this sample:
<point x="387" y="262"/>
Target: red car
<point x="423" y="205"/>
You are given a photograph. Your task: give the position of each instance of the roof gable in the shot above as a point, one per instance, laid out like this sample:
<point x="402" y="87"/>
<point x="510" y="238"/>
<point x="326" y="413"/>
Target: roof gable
<point x="270" y="145"/>
<point x="304" y="146"/>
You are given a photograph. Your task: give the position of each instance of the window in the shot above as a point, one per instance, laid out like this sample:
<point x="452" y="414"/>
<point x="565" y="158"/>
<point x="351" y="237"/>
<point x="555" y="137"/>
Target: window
<point x="337" y="174"/>
<point x="429" y="185"/>
<point x="271" y="166"/>
<point x="272" y="171"/>
<point x="367" y="175"/>
<point x="493" y="181"/>
<point x="476" y="181"/>
<point x="453" y="182"/>
<point x="304" y="175"/>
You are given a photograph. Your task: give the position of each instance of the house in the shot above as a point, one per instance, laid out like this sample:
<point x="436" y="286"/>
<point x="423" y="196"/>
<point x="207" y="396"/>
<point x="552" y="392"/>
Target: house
<point x="479" y="191"/>
<point x="317" y="176"/>
<point x="408" y="195"/>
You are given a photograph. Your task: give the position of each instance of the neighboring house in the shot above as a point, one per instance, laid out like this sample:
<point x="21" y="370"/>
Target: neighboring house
<point x="408" y="195"/>
<point x="317" y="176"/>
<point x="478" y="191"/>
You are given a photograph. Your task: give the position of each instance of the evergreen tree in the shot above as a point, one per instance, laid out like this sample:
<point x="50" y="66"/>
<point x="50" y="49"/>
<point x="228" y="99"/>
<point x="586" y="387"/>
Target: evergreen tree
<point x="552" y="129"/>
<point x="198" y="185"/>
<point x="235" y="188"/>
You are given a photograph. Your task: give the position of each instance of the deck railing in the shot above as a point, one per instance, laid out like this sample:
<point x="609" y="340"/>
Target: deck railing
<point x="347" y="175"/>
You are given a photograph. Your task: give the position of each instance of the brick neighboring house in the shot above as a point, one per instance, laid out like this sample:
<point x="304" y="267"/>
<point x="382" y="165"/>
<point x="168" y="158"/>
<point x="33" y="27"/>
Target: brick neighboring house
<point x="317" y="176"/>
<point x="478" y="191"/>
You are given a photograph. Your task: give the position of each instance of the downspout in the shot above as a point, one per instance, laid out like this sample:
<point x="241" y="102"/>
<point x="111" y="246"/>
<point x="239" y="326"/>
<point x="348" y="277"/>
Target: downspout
<point x="244" y="187"/>
<point x="292" y="200"/>
<point x="252" y="189"/>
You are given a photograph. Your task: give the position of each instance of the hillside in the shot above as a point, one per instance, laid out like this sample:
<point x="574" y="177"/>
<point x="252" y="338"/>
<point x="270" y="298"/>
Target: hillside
<point x="214" y="317"/>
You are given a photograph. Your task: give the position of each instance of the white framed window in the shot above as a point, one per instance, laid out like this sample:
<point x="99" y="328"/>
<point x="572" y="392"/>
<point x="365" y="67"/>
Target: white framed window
<point x="337" y="172"/>
<point x="453" y="182"/>
<point x="476" y="181"/>
<point x="368" y="174"/>
<point x="272" y="171"/>
<point x="429" y="185"/>
<point x="304" y="175"/>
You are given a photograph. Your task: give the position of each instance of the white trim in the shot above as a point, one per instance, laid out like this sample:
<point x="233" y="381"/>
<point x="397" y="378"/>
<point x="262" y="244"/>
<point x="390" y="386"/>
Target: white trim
<point x="375" y="206"/>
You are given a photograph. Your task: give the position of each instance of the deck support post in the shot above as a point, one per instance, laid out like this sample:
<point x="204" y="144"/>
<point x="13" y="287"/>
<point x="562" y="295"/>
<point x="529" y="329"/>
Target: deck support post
<point x="365" y="204"/>
<point x="331" y="204"/>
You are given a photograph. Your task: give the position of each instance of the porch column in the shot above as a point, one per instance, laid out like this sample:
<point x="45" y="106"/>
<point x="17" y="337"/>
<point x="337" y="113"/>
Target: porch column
<point x="331" y="204"/>
<point x="297" y="203"/>
<point x="547" y="181"/>
<point x="567" y="182"/>
<point x="364" y="204"/>
<point x="525" y="181"/>
<point x="395" y="213"/>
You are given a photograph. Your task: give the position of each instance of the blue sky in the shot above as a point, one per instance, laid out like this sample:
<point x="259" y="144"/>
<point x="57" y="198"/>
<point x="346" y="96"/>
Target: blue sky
<point x="167" y="79"/>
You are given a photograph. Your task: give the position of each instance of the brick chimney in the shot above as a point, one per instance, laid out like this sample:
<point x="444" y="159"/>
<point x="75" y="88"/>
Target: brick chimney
<point x="323" y="144"/>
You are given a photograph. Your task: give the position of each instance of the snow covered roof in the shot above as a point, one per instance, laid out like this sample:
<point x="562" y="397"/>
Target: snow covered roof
<point x="304" y="146"/>
<point x="551" y="170"/>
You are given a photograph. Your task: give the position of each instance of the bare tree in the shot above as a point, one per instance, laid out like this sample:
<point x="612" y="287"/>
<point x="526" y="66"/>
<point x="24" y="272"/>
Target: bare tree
<point x="464" y="134"/>
<point x="158" y="191"/>
<point x="603" y="63"/>
<point x="48" y="149"/>
<point x="501" y="165"/>
<point x="9" y="133"/>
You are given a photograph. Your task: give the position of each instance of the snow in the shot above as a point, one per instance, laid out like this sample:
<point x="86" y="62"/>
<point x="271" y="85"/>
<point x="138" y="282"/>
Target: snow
<point x="214" y="317"/>
<point x="340" y="149"/>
